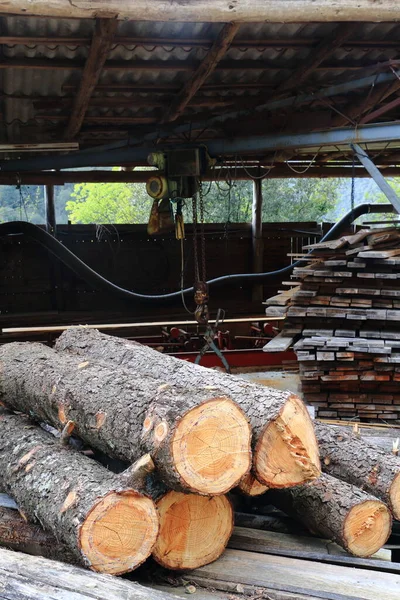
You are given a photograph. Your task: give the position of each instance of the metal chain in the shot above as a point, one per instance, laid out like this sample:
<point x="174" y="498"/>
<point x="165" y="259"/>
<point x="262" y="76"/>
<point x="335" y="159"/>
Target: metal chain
<point x="202" y="233"/>
<point x="195" y="252"/>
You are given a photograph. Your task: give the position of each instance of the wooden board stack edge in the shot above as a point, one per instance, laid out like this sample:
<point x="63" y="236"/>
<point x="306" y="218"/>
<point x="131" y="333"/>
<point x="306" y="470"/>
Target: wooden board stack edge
<point x="344" y="321"/>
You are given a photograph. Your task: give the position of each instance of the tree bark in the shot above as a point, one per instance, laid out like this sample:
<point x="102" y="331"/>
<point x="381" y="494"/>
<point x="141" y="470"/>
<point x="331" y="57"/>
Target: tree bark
<point x="107" y="526"/>
<point x="284" y="444"/>
<point x="198" y="438"/>
<point x="17" y="534"/>
<point x="25" y="577"/>
<point x="352" y="459"/>
<point x="333" y="509"/>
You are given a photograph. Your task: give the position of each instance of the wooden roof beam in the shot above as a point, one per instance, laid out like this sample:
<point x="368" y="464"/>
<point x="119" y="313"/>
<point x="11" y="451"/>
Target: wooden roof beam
<point x="215" y="11"/>
<point x="352" y="112"/>
<point x="207" y="66"/>
<point x="317" y="55"/>
<point x="99" y="49"/>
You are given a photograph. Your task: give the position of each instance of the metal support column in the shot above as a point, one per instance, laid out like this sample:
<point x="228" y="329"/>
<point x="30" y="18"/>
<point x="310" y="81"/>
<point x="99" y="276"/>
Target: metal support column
<point x="377" y="176"/>
<point x="257" y="238"/>
<point x="50" y="209"/>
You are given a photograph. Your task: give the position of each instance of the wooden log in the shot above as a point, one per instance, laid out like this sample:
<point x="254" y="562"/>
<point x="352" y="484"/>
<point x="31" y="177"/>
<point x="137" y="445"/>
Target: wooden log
<point x="284" y="444"/>
<point x="250" y="486"/>
<point x="198" y="437"/>
<point x="24" y="577"/>
<point x="331" y="508"/>
<point x="194" y="529"/>
<point x="351" y="458"/>
<point x="18" y="534"/>
<point x="108" y="527"/>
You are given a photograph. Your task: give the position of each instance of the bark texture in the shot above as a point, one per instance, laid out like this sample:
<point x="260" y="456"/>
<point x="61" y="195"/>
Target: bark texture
<point x="333" y="509"/>
<point x="75" y="499"/>
<point x="267" y="409"/>
<point x="352" y="459"/>
<point x="17" y="534"/>
<point x="112" y="407"/>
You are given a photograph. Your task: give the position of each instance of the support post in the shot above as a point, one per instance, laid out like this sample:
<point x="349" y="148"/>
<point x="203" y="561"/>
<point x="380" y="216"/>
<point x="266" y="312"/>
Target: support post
<point x="377" y="176"/>
<point x="257" y="239"/>
<point x="50" y="209"/>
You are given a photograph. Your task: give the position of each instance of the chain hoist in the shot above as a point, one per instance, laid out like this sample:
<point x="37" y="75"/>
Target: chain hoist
<point x="201" y="297"/>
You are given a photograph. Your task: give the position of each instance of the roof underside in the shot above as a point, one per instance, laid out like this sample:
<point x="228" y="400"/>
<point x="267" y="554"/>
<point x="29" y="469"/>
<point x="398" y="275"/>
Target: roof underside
<point x="42" y="70"/>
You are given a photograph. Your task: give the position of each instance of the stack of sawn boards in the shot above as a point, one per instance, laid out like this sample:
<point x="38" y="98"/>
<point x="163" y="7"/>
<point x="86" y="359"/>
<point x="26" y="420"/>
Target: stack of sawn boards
<point x="182" y="437"/>
<point x="346" y="312"/>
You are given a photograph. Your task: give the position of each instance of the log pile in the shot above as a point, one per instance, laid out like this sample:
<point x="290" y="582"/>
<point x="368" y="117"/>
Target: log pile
<point x="345" y="314"/>
<point x="184" y="435"/>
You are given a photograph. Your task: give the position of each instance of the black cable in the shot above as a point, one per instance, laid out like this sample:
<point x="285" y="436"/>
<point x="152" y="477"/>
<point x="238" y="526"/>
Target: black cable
<point x="100" y="283"/>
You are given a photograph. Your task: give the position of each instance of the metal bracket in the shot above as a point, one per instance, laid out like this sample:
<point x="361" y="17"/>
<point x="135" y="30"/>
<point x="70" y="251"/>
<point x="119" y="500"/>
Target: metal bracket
<point x="377" y="176"/>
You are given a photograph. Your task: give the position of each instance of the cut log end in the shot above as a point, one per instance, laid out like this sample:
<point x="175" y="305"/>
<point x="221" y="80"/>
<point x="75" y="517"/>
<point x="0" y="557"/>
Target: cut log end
<point x="119" y="532"/>
<point x="394" y="496"/>
<point x="287" y="453"/>
<point x="211" y="447"/>
<point x="250" y="486"/>
<point x="194" y="530"/>
<point x="367" y="528"/>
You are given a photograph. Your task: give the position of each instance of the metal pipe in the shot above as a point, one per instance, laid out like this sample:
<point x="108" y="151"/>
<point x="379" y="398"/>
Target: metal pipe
<point x="380" y="132"/>
<point x="377" y="176"/>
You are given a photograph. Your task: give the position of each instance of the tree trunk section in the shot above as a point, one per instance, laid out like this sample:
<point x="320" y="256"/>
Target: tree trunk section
<point x="194" y="530"/>
<point x="250" y="486"/>
<point x="333" y="509"/>
<point x="352" y="459"/>
<point x="284" y="443"/>
<point x="198" y="438"/>
<point x="24" y="577"/>
<point x="108" y="527"/>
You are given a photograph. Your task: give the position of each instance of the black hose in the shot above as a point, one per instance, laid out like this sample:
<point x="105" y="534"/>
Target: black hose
<point x="100" y="283"/>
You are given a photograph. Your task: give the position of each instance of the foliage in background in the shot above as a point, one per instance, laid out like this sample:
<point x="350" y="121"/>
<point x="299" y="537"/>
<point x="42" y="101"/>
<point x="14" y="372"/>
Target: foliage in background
<point x="109" y="203"/>
<point x="105" y="203"/>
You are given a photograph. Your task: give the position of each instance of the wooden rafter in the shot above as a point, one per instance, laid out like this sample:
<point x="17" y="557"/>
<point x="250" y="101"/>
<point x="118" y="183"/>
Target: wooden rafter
<point x="250" y="11"/>
<point x="207" y="66"/>
<point x="323" y="51"/>
<point x="352" y="112"/>
<point x="99" y="49"/>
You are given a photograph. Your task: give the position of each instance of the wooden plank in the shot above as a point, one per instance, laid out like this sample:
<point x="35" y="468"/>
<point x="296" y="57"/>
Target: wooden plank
<point x="215" y="11"/>
<point x="98" y="53"/>
<point x="320" y="580"/>
<point x="279" y="343"/>
<point x="379" y="253"/>
<point x="207" y="66"/>
<point x="24" y="577"/>
<point x="302" y="546"/>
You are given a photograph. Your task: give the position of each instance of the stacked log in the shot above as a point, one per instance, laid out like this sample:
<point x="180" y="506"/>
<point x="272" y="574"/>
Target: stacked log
<point x="198" y="437"/>
<point x="345" y="314"/>
<point x="285" y="452"/>
<point x="108" y="526"/>
<point x="338" y="511"/>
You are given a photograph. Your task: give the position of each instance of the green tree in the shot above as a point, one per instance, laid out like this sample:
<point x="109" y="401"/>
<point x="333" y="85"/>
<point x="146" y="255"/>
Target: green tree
<point x="109" y="203"/>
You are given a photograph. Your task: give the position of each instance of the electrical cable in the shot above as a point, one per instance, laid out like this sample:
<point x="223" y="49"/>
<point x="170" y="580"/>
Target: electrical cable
<point x="100" y="283"/>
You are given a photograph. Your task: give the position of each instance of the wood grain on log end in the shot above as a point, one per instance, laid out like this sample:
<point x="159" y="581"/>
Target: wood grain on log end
<point x="287" y="452"/>
<point x="119" y="533"/>
<point x="367" y="527"/>
<point x="194" y="530"/>
<point x="394" y="497"/>
<point x="250" y="486"/>
<point x="211" y="447"/>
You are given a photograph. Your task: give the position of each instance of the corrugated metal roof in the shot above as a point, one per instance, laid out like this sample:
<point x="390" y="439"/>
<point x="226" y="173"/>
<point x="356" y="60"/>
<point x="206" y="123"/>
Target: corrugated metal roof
<point x="260" y="57"/>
